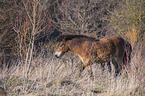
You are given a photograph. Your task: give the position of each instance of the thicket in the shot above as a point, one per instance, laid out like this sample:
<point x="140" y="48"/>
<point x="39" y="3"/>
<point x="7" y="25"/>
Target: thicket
<point x="27" y="23"/>
<point x="128" y="20"/>
<point x="23" y="23"/>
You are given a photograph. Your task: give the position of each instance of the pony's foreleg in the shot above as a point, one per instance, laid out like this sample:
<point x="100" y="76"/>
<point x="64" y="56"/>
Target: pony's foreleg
<point x="109" y="66"/>
<point x="103" y="66"/>
<point x="81" y="68"/>
<point x="89" y="69"/>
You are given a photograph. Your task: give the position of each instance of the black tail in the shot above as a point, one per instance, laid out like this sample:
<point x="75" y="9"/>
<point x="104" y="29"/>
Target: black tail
<point x="127" y="54"/>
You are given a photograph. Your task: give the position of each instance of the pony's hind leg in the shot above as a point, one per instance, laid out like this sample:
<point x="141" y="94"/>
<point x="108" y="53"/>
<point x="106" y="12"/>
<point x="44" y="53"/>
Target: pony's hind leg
<point x="117" y="66"/>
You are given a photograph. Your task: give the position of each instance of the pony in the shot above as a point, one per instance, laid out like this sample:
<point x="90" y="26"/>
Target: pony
<point x="91" y="50"/>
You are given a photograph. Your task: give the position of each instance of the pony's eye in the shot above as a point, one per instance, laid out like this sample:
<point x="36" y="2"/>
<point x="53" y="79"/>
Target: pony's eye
<point x="61" y="45"/>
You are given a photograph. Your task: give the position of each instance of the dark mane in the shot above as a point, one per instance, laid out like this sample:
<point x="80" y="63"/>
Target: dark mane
<point x="70" y="37"/>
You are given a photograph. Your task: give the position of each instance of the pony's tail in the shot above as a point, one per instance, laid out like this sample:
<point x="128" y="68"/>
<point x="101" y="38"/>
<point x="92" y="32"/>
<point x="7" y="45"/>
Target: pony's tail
<point x="127" y="54"/>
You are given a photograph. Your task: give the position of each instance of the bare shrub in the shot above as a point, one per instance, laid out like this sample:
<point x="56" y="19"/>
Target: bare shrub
<point x="82" y="17"/>
<point x="128" y="20"/>
<point x="23" y="22"/>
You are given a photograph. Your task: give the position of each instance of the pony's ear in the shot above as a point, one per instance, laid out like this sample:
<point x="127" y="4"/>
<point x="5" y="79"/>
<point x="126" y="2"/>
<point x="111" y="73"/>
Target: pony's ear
<point x="60" y="38"/>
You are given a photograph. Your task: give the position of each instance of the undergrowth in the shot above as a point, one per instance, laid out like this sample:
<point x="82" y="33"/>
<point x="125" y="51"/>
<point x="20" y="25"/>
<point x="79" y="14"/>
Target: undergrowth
<point x="49" y="76"/>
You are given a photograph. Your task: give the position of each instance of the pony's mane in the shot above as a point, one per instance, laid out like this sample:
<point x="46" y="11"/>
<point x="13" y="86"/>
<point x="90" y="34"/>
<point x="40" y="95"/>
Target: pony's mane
<point x="70" y="37"/>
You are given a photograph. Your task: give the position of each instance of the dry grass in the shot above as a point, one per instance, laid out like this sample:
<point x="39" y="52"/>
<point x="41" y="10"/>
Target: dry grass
<point x="57" y="77"/>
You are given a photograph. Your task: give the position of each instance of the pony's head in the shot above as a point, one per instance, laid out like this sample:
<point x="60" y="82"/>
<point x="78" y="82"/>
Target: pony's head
<point x="61" y="50"/>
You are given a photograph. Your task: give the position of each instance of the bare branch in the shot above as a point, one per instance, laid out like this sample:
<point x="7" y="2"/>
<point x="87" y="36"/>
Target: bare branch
<point x="28" y="13"/>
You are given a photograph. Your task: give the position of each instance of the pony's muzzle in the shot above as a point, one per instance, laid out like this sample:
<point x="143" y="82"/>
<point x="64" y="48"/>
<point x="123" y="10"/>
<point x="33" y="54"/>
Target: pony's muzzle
<point x="58" y="54"/>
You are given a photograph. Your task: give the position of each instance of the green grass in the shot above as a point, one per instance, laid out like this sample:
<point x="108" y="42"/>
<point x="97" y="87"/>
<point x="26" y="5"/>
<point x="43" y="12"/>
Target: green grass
<point x="57" y="77"/>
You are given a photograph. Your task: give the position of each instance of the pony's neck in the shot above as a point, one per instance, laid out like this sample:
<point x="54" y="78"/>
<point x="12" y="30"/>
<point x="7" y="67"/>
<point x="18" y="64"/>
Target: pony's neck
<point x="75" y="46"/>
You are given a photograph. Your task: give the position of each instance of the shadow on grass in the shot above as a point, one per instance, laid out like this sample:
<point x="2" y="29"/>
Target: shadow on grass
<point x="55" y="95"/>
<point x="66" y="82"/>
<point x="96" y="91"/>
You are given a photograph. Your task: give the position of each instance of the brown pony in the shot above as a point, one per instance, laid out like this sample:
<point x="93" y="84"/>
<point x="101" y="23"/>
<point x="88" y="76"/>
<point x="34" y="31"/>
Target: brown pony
<point x="92" y="50"/>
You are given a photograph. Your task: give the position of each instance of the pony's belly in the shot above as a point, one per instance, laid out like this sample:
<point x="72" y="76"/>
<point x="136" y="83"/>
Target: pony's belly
<point x="102" y="60"/>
